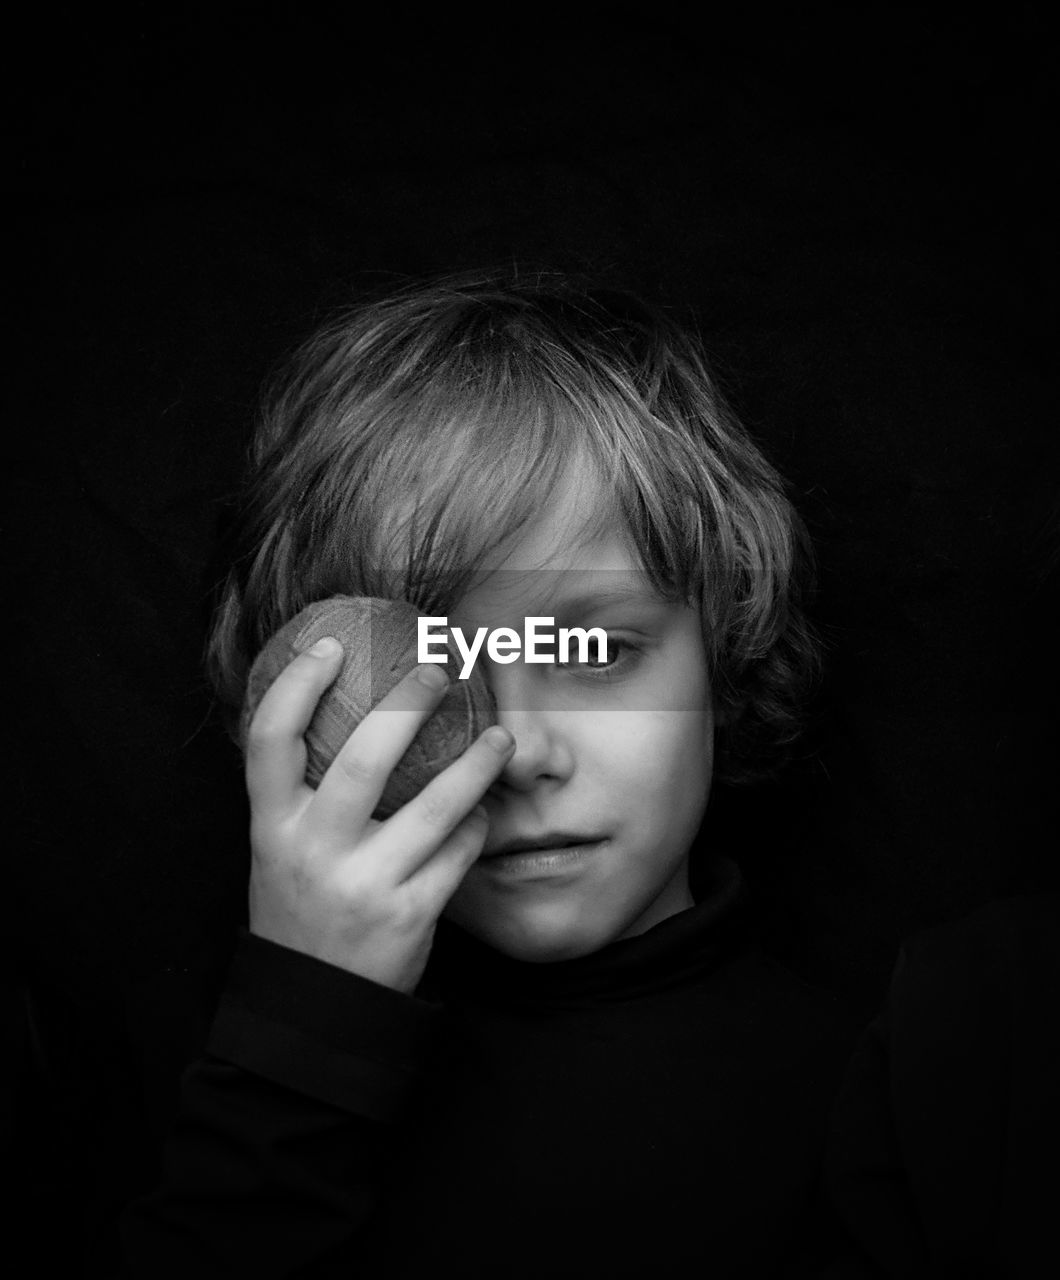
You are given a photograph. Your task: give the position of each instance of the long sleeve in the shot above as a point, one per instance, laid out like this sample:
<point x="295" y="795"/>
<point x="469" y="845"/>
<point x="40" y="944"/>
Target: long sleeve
<point x="274" y="1163"/>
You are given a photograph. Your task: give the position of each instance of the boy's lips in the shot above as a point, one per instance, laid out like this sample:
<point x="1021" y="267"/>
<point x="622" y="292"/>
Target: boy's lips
<point x="519" y="861"/>
<point x="547" y="841"/>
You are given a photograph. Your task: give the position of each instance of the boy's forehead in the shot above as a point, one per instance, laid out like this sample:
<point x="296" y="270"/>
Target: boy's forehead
<point x="556" y="592"/>
<point x="575" y="530"/>
<point x="570" y="557"/>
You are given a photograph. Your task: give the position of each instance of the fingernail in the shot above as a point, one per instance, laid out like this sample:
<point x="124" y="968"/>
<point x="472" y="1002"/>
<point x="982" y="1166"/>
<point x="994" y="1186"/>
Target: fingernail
<point x="499" y="739"/>
<point x="433" y="677"/>
<point x="324" y="647"/>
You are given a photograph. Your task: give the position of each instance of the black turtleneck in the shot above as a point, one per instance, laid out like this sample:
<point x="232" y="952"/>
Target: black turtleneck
<point x="654" y="1107"/>
<point x="672" y="954"/>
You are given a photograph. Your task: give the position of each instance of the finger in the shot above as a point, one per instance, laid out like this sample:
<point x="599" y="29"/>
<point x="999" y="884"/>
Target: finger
<point x="352" y="786"/>
<point x="435" y="882"/>
<point x="275" y="750"/>
<point x="413" y="834"/>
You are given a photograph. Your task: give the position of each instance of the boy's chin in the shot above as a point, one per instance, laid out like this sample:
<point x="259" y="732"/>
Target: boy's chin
<point x="539" y="937"/>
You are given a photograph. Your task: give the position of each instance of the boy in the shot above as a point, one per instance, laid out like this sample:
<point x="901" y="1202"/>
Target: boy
<point x="497" y="1031"/>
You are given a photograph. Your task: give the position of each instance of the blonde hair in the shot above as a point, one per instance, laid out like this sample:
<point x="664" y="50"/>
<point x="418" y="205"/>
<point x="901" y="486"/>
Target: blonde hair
<point x="439" y="419"/>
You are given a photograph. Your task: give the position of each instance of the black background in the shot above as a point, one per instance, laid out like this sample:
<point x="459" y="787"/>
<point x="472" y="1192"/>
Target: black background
<point x="852" y="205"/>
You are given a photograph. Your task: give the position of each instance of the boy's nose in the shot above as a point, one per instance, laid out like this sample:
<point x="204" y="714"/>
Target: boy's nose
<point x="542" y="751"/>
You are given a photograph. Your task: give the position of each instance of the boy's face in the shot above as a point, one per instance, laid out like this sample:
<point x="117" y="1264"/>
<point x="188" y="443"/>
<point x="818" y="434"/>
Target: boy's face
<point x="614" y="761"/>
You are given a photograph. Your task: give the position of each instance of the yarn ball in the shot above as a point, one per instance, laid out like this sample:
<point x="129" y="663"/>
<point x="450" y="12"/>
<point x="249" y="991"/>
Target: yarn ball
<point x="379" y="640"/>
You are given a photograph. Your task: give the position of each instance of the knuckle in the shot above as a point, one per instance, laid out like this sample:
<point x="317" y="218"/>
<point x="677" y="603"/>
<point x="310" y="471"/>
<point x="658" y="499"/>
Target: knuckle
<point x="409" y="913"/>
<point x="264" y="733"/>
<point x="435" y="810"/>
<point x="361" y="888"/>
<point x="358" y="906"/>
<point x="360" y="767"/>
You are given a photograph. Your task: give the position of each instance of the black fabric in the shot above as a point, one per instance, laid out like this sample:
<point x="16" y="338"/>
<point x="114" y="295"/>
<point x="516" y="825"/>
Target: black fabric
<point x="266" y="1024"/>
<point x="614" y="1115"/>
<point x="942" y="1158"/>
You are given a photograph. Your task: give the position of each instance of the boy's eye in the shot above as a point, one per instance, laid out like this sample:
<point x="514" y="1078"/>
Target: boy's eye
<point x="608" y="657"/>
<point x="618" y="656"/>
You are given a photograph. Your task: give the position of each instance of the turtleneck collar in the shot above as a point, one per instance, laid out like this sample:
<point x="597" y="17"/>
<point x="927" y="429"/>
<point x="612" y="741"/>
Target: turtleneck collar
<point x="668" y="954"/>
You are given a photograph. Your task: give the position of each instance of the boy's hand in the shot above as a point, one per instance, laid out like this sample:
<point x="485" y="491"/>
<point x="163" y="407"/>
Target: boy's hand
<point x="326" y="878"/>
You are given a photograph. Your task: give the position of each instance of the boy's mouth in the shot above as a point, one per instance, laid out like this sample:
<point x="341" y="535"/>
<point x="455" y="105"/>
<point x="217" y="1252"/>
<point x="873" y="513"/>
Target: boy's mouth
<point x="520" y="860"/>
<point x="547" y="842"/>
